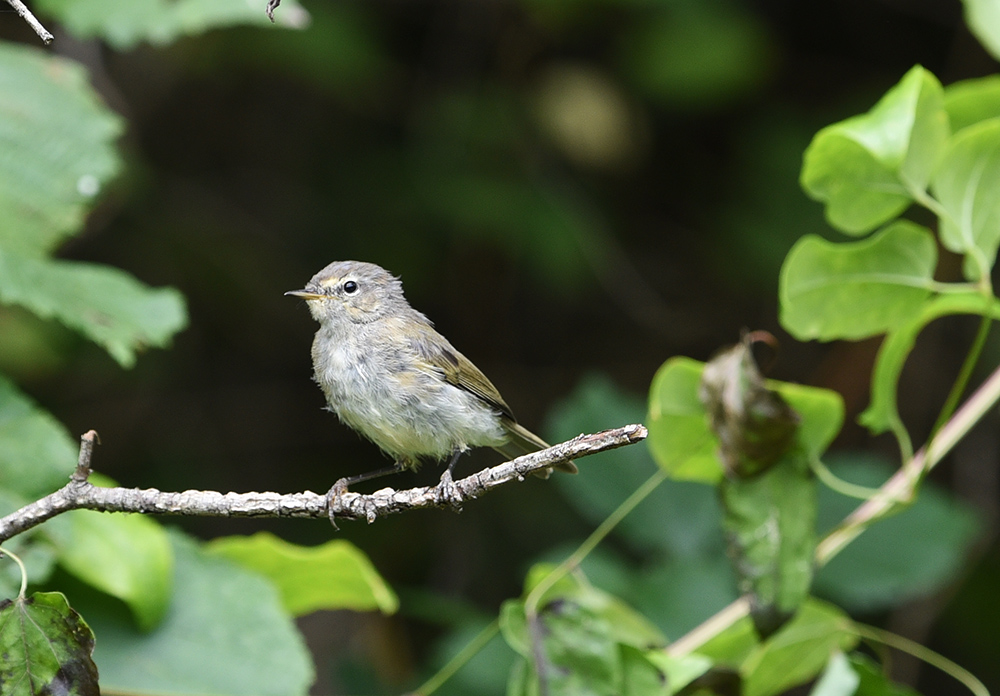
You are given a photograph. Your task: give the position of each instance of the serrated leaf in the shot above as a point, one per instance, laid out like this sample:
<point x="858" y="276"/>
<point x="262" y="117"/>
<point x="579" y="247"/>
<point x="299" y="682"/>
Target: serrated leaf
<point x="967" y="185"/>
<point x="797" y="652"/>
<point x="37" y="455"/>
<point x="857" y="289"/>
<point x="882" y="413"/>
<point x="225" y="634"/>
<point x="334" y="575"/>
<point x="970" y="101"/>
<point x="104" y="303"/>
<point x="56" y="149"/>
<point x="908" y="555"/>
<point x="864" y="168"/>
<point x="679" y="436"/>
<point x="126" y="556"/>
<point x="45" y="648"/>
<point x="125" y="23"/>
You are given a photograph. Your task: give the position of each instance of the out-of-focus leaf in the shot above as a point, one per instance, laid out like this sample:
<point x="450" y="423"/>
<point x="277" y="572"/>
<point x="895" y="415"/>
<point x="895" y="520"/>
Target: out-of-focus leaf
<point x="56" y="149"/>
<point x="126" y="556"/>
<point x="125" y="23"/>
<point x="37" y="455"/>
<point x="965" y="184"/>
<point x="679" y="436"/>
<point x="34" y="551"/>
<point x="837" y="679"/>
<point x="225" y="634"/>
<point x="697" y="54"/>
<point x="678" y="595"/>
<point x="873" y="681"/>
<point x="797" y="652"/>
<point x="104" y="303"/>
<point x="734" y="645"/>
<point x="770" y="521"/>
<point x="970" y="101"/>
<point x="335" y="575"/>
<point x="45" y="648"/>
<point x="905" y="556"/>
<point x="882" y="413"/>
<point x="864" y="168"/>
<point x="678" y="670"/>
<point x="582" y="632"/>
<point x="679" y="517"/>
<point x="883" y="280"/>
<point x="983" y="18"/>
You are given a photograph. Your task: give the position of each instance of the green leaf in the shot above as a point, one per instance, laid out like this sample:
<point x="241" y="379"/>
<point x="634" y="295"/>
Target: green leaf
<point x="225" y="634"/>
<point x="125" y="23"/>
<point x="679" y="437"/>
<point x="837" y="679"/>
<point x="56" y="149"/>
<point x="679" y="670"/>
<point x="873" y="681"/>
<point x="770" y="522"/>
<point x="983" y="18"/>
<point x="970" y="101"/>
<point x="37" y="455"/>
<point x="335" y="575"/>
<point x="733" y="646"/>
<point x="105" y="304"/>
<point x="864" y="168"/>
<point x="967" y="185"/>
<point x="797" y="652"/>
<point x="908" y="555"/>
<point x="882" y="413"/>
<point x="882" y="281"/>
<point x="126" y="556"/>
<point x="821" y="414"/>
<point x="678" y="517"/>
<point x="45" y="648"/>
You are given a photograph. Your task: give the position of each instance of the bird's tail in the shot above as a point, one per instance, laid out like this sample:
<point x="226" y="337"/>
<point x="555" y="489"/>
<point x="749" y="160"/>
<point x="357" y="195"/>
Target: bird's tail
<point x="523" y="441"/>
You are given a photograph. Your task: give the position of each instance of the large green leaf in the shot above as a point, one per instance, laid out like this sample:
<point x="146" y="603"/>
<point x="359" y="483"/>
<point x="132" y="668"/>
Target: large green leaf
<point x="104" y="303"/>
<point x="857" y="289"/>
<point x="37" y="455"/>
<point x="335" y="575"/>
<point x="56" y="149"/>
<point x="225" y="634"/>
<point x="865" y="168"/>
<point x="882" y="413"/>
<point x="125" y="23"/>
<point x="967" y="185"/>
<point x="127" y="556"/>
<point x="45" y="648"/>
<point x="905" y="556"/>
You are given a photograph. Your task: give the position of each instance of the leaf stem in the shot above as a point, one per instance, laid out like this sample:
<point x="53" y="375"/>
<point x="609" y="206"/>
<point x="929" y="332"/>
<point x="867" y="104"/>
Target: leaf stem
<point x="24" y="572"/>
<point x="834" y="482"/>
<point x="458" y="661"/>
<point x="964" y="374"/>
<point x="959" y="673"/>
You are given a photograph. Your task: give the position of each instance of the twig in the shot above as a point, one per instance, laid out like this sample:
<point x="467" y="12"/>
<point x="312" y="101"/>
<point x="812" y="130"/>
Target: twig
<point x="272" y="5"/>
<point x="80" y="493"/>
<point x="25" y="14"/>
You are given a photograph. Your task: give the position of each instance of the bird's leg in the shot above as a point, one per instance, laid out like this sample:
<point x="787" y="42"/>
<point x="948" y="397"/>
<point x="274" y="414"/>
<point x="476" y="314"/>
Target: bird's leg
<point x="340" y="487"/>
<point x="447" y="492"/>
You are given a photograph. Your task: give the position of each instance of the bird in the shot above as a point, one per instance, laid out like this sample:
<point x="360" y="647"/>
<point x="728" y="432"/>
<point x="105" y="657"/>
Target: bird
<point x="387" y="373"/>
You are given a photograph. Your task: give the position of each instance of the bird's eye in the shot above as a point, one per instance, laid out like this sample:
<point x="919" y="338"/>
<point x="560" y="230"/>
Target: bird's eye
<point x="350" y="287"/>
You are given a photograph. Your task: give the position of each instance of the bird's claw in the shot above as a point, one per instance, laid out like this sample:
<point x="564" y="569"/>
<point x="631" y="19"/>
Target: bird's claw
<point x="447" y="493"/>
<point x="333" y="500"/>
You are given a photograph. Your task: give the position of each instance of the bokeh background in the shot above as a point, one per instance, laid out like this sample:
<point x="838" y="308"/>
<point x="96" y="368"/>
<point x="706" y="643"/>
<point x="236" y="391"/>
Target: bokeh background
<point x="573" y="190"/>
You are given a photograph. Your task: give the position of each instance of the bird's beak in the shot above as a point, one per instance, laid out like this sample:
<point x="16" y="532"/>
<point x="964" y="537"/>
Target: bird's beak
<point x="305" y="294"/>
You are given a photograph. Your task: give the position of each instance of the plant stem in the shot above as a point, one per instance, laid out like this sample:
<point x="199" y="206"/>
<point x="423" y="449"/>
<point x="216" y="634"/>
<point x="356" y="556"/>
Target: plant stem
<point x="24" y="572"/>
<point x="964" y="374"/>
<point x="458" y="661"/>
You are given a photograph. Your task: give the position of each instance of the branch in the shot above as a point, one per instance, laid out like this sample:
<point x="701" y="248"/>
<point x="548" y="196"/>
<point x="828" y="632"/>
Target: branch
<point x="79" y="493"/>
<point x="25" y="14"/>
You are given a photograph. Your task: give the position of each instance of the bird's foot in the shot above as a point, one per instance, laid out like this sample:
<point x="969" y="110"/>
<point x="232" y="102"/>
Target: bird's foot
<point x="447" y="493"/>
<point x="333" y="500"/>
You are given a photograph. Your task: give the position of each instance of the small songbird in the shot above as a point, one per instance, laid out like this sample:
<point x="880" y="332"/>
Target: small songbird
<point x="389" y="375"/>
